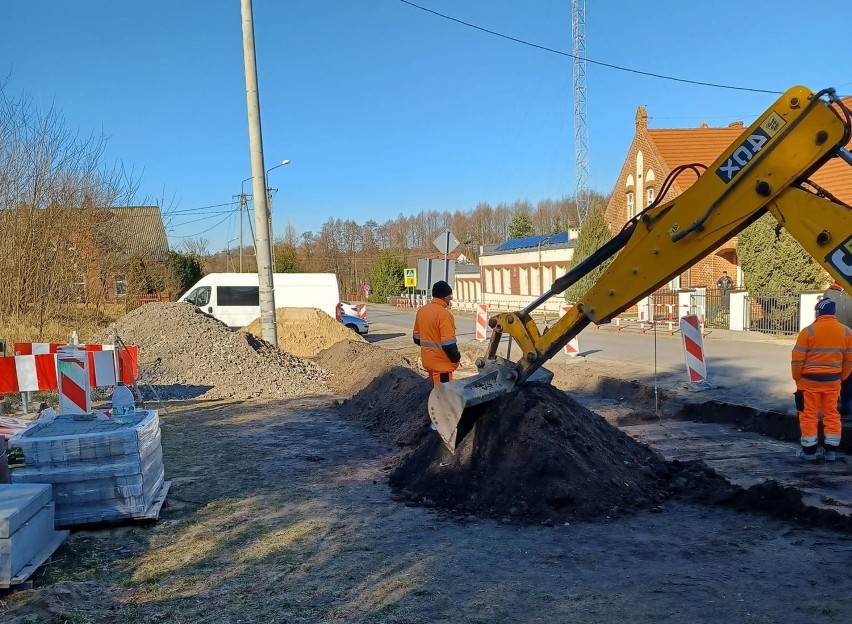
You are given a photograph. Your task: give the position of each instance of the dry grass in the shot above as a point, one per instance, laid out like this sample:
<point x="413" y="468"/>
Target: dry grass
<point x="84" y="319"/>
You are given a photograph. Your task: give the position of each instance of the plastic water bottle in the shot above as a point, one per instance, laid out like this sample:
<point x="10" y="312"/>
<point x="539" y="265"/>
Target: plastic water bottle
<point x="122" y="402"/>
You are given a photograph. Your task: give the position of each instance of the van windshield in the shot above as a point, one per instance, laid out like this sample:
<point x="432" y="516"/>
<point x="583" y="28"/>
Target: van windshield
<point x="190" y="298"/>
<point x="238" y="296"/>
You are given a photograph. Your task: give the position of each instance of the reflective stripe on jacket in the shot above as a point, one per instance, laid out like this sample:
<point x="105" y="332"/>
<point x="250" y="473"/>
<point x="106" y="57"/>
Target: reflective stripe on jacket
<point x="823" y="351"/>
<point x="435" y="328"/>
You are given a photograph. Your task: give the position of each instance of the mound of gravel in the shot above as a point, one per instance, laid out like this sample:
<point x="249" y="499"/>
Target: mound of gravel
<point x="186" y="354"/>
<point x="305" y="332"/>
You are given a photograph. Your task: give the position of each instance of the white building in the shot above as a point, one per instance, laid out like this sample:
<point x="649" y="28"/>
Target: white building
<point x="513" y="274"/>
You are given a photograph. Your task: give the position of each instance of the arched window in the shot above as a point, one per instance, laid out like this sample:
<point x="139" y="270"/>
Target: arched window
<point x="631" y="205"/>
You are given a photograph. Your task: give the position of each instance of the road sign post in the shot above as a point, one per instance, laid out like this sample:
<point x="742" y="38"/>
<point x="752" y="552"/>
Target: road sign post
<point x="410" y="277"/>
<point x="446" y="243"/>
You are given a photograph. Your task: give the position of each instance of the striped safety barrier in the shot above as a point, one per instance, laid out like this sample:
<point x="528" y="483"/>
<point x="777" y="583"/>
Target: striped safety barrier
<point x="573" y="346"/>
<point x="362" y="311"/>
<point x="482" y="322"/>
<point x="34" y="371"/>
<point x="75" y="392"/>
<point x="693" y="349"/>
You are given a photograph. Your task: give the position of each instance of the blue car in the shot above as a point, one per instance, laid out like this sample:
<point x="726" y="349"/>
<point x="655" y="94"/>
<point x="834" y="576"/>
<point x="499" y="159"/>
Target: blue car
<point x="355" y="323"/>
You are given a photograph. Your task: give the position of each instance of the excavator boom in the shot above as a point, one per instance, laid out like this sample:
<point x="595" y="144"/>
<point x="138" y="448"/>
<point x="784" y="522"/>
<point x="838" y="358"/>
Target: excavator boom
<point x="762" y="171"/>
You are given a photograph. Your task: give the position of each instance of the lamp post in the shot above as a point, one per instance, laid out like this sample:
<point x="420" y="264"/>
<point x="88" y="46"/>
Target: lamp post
<point x="269" y="203"/>
<point x="243" y="206"/>
<point x="228" y="255"/>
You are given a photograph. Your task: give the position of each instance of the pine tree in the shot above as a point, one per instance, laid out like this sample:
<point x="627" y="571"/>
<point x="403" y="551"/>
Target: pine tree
<point x="387" y="278"/>
<point x="774" y="263"/>
<point x="776" y="269"/>
<point x="286" y="260"/>
<point x="185" y="271"/>
<point x="594" y="233"/>
<point x="521" y="226"/>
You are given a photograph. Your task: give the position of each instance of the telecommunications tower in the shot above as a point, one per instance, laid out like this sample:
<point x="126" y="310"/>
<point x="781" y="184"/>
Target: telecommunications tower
<point x="581" y="131"/>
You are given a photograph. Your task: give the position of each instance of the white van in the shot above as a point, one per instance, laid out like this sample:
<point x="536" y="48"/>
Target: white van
<point x="234" y="298"/>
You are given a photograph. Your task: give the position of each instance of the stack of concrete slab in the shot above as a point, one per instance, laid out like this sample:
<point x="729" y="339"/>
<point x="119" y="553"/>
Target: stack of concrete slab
<point x="27" y="537"/>
<point x="101" y="470"/>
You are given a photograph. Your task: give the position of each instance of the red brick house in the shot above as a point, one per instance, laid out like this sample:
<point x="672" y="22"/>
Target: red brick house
<point x="655" y="152"/>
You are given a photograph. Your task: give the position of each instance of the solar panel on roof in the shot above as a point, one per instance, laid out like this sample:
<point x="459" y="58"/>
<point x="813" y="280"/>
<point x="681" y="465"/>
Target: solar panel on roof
<point x="521" y="243"/>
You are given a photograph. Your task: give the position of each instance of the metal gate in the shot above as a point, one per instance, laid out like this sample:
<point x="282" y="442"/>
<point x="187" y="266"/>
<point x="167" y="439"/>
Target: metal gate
<point x="773" y="315"/>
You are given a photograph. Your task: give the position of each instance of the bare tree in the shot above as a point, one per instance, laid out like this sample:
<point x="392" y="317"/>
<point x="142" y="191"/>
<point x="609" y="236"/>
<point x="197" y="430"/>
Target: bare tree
<point x="53" y="185"/>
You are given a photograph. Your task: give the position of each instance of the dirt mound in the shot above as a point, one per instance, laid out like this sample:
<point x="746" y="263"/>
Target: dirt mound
<point x="305" y="332"/>
<point x="391" y="394"/>
<point x="186" y="354"/>
<point x="60" y="602"/>
<point x="354" y="364"/>
<point x="535" y="454"/>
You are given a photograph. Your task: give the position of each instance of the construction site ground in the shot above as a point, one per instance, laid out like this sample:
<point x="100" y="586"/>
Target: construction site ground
<point x="281" y="511"/>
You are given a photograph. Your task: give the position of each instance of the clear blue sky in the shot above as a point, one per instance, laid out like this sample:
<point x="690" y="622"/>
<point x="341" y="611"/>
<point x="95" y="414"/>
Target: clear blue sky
<point x="386" y="109"/>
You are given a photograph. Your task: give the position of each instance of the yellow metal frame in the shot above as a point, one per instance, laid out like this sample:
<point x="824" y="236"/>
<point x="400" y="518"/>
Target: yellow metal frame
<point x="795" y="136"/>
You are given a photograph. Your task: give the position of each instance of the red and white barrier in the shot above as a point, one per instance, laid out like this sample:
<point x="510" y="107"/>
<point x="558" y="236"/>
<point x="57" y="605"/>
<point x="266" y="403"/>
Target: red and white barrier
<point x="362" y="311"/>
<point x="75" y="392"/>
<point x="693" y="349"/>
<point x="573" y="346"/>
<point x="34" y="372"/>
<point x="482" y="322"/>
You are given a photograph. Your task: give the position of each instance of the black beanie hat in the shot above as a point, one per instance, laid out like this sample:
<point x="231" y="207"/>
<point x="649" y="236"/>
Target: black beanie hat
<point x="441" y="289"/>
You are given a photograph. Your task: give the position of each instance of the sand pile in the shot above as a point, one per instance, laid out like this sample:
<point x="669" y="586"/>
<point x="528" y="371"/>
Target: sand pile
<point x="186" y="354"/>
<point x="305" y="332"/>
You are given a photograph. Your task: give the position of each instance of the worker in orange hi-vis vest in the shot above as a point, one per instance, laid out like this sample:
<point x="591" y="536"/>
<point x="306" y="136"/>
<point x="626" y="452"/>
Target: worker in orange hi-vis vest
<point x="822" y="359"/>
<point x="435" y="333"/>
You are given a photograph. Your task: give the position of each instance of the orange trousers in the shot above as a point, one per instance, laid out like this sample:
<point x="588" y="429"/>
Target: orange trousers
<point x="820" y="396"/>
<point x="439" y="377"/>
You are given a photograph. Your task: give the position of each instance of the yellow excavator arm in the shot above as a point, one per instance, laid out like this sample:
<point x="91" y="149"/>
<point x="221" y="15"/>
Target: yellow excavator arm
<point x="765" y="169"/>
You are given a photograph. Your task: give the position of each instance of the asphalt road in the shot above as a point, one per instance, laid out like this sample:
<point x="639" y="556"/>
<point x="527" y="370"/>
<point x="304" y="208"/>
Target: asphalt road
<point x="748" y="368"/>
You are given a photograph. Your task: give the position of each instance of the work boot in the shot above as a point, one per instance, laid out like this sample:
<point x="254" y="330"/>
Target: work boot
<point x="806" y="456"/>
<point x="830" y="453"/>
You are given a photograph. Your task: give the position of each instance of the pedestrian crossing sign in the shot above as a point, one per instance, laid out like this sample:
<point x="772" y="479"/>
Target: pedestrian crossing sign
<point x="410" y="278"/>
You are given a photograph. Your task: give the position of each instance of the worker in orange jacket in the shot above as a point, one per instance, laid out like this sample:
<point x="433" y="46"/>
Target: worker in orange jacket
<point x="435" y="333"/>
<point x="822" y="359"/>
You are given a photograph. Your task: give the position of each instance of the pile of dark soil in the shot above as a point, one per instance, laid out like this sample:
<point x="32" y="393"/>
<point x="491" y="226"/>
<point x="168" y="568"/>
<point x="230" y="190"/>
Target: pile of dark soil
<point x="535" y="454"/>
<point x="393" y="406"/>
<point x="353" y="365"/>
<point x="389" y="394"/>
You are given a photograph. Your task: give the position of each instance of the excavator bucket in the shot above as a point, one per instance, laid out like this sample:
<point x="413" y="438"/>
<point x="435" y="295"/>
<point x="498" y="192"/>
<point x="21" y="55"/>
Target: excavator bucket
<point x="451" y="405"/>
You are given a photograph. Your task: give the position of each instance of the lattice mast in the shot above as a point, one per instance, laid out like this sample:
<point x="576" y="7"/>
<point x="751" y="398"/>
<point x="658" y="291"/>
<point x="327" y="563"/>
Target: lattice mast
<point x="581" y="130"/>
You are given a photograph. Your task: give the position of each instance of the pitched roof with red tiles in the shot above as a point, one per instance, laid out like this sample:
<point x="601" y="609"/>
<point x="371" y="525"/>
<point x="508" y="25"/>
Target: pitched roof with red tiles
<point x="703" y="145"/>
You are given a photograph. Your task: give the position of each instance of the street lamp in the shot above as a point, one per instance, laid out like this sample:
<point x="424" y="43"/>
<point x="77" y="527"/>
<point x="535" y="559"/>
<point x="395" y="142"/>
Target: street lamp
<point x="228" y="254"/>
<point x="269" y="206"/>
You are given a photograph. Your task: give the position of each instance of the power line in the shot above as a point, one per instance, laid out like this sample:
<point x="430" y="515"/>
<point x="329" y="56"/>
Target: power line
<point x="205" y="231"/>
<point x="205" y="218"/>
<point x="587" y="60"/>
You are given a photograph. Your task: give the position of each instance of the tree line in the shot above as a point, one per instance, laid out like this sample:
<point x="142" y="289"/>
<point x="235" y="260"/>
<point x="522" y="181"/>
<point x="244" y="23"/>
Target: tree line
<point x="353" y="250"/>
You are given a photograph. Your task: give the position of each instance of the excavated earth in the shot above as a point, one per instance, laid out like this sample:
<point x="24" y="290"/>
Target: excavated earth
<point x="185" y="354"/>
<point x="538" y="456"/>
<point x="304" y="332"/>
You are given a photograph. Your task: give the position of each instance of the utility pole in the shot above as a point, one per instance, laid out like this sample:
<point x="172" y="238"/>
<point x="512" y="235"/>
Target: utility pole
<point x="243" y="207"/>
<point x="261" y="208"/>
